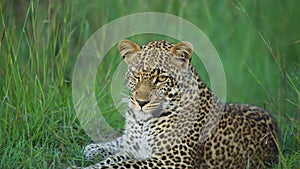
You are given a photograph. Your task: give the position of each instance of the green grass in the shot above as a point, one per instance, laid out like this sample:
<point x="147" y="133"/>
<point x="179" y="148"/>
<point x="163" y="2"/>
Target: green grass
<point x="258" y="42"/>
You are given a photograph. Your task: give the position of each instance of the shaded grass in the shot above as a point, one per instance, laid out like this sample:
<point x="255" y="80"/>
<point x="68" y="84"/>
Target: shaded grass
<point x="41" y="39"/>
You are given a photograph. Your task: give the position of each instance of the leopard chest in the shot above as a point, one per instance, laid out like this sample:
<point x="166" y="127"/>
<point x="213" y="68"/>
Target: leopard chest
<point x="137" y="140"/>
<point x="152" y="137"/>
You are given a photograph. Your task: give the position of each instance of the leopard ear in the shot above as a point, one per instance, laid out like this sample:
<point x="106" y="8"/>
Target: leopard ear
<point x="127" y="50"/>
<point x="182" y="54"/>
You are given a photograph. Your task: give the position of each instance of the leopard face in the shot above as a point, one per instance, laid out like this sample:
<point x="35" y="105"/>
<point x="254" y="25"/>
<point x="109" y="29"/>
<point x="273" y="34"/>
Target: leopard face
<point x="151" y="90"/>
<point x="157" y="75"/>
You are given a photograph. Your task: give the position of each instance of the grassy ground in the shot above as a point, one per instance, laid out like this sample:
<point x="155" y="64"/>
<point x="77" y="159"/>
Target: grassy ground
<point x="258" y="42"/>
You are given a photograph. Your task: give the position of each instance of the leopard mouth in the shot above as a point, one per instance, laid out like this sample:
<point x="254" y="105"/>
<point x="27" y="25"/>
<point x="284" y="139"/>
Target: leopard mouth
<point x="149" y="108"/>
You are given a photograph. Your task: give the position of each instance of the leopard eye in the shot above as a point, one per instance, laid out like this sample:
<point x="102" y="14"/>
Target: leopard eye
<point x="162" y="79"/>
<point x="136" y="75"/>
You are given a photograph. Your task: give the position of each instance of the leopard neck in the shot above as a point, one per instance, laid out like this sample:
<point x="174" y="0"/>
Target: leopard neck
<point x="205" y="93"/>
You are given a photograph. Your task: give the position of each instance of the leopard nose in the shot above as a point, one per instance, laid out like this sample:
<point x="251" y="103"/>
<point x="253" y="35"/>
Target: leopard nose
<point x="142" y="103"/>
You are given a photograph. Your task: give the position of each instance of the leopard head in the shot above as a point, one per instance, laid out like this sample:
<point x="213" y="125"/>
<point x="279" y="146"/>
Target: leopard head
<point x="158" y="74"/>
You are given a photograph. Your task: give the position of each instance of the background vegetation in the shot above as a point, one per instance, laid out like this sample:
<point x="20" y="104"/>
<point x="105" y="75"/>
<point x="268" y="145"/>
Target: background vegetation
<point x="258" y="42"/>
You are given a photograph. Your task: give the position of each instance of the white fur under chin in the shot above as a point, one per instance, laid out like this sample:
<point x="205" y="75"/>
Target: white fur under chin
<point x="140" y="115"/>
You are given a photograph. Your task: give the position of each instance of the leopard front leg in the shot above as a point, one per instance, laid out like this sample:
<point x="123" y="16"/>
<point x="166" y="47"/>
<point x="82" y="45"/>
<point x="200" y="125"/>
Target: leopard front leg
<point x="154" y="162"/>
<point x="105" y="150"/>
<point x="112" y="160"/>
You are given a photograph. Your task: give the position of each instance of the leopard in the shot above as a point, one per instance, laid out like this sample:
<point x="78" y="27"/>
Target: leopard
<point x="174" y="120"/>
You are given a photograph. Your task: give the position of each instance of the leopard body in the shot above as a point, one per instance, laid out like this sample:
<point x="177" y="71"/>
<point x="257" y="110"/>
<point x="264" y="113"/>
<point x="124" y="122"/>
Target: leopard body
<point x="174" y="120"/>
